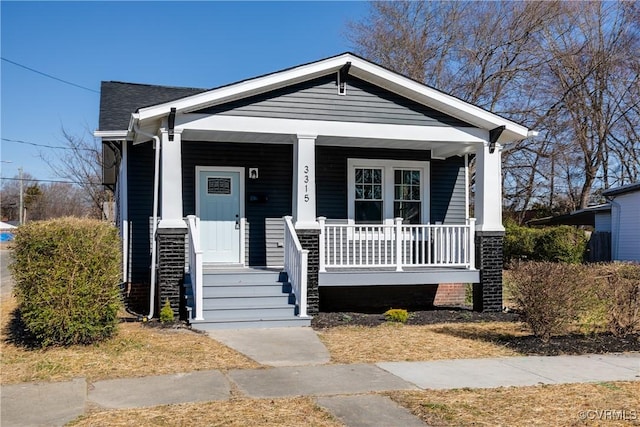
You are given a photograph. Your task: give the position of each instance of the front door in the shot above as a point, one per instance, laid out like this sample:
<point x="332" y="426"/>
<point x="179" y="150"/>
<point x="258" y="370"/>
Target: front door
<point x="219" y="210"/>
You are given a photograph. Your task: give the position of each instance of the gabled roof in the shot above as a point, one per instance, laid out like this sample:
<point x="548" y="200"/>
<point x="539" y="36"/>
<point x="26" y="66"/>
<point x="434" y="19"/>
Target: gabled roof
<point x="360" y="68"/>
<point x="629" y="188"/>
<point x="118" y="100"/>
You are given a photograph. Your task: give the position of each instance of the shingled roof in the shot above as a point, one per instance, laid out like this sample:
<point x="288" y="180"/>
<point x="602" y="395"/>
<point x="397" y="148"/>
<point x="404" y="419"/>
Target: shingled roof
<point x="118" y="100"/>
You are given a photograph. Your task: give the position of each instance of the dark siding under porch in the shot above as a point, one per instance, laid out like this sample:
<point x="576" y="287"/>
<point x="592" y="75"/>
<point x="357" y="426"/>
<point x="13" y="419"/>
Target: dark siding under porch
<point x="275" y="164"/>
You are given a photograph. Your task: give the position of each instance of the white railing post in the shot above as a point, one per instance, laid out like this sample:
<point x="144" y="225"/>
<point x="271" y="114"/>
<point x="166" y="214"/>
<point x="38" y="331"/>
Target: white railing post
<point x="295" y="264"/>
<point x="243" y="231"/>
<point x="322" y="244"/>
<point x="399" y="245"/>
<point x="471" y="225"/>
<point x="195" y="264"/>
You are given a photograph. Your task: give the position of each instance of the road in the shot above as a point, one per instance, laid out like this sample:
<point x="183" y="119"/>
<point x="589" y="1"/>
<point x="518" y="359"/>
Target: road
<point x="6" y="281"/>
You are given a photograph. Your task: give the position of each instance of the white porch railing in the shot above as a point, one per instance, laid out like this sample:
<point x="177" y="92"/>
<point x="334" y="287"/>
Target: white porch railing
<point x="295" y="264"/>
<point x="195" y="264"/>
<point x="396" y="245"/>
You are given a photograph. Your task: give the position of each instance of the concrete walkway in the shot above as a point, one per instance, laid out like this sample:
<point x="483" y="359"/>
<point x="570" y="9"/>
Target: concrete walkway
<point x="344" y="390"/>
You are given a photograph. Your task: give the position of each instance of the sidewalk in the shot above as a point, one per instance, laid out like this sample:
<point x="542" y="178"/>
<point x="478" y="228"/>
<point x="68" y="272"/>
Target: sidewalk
<point x="341" y="389"/>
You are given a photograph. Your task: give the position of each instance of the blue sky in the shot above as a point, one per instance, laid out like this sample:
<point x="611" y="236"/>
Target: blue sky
<point x="194" y="44"/>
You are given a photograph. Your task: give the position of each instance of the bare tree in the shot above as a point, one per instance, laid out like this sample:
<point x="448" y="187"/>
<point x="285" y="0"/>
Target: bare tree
<point x="81" y="164"/>
<point x="569" y="70"/>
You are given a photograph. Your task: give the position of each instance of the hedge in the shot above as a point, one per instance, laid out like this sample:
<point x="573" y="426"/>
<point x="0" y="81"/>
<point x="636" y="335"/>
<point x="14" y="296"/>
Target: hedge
<point x="66" y="275"/>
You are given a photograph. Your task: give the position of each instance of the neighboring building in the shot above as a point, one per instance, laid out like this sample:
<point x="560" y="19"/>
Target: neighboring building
<point x="625" y="222"/>
<point x="369" y="168"/>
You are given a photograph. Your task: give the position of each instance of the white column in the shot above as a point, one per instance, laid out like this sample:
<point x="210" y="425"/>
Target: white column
<point x="304" y="182"/>
<point x="488" y="195"/>
<point x="171" y="181"/>
<point x="123" y="201"/>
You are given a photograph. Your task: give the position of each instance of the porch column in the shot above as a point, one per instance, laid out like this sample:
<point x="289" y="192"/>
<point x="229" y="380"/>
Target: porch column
<point x="487" y="295"/>
<point x="171" y="228"/>
<point x="171" y="181"/>
<point x="304" y="182"/>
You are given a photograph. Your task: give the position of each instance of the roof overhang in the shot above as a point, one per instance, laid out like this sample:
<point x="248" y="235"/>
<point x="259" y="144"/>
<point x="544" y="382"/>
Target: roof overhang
<point x="111" y="135"/>
<point x="150" y="117"/>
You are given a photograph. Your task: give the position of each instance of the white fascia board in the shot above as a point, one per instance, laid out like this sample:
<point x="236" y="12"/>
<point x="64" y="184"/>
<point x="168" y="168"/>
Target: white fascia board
<point x="447" y="134"/>
<point x="438" y="100"/>
<point x="111" y="135"/>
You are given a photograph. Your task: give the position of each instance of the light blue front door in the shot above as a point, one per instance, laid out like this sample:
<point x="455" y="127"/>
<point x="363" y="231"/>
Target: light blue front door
<point x="219" y="212"/>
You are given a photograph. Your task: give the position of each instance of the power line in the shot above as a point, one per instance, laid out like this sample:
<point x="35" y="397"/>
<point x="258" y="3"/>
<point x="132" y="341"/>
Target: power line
<point x="19" y="141"/>
<point x="49" y="75"/>
<point x="49" y="180"/>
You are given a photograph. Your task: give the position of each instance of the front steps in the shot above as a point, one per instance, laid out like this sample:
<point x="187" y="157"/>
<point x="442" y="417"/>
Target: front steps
<point x="246" y="298"/>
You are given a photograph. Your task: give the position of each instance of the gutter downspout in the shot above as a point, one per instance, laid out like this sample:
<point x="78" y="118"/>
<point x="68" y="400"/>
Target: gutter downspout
<point x="156" y="187"/>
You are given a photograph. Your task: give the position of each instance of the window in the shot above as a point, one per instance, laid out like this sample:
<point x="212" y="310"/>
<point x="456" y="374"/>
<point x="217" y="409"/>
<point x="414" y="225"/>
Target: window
<point x="368" y="195"/>
<point x="407" y="196"/>
<point x="380" y="190"/>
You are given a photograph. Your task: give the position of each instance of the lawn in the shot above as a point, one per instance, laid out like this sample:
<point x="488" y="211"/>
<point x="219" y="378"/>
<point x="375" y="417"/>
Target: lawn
<point x="543" y="405"/>
<point x="136" y="350"/>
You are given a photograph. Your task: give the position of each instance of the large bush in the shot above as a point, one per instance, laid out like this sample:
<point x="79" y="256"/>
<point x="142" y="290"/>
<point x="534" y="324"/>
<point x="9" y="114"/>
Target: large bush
<point x="555" y="244"/>
<point x="66" y="280"/>
<point x="548" y="295"/>
<point x="619" y="289"/>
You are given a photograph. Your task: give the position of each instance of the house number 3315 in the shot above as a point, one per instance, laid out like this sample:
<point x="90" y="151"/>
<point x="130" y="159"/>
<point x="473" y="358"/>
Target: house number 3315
<point x="305" y="178"/>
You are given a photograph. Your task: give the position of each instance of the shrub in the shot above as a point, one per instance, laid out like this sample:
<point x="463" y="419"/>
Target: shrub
<point x="396" y="315"/>
<point x="547" y="295"/>
<point x="556" y="244"/>
<point x="166" y="313"/>
<point x="620" y="291"/>
<point x="561" y="244"/>
<point x="66" y="280"/>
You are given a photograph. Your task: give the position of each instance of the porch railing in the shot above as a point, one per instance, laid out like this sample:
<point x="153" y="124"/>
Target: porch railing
<point x="195" y="264"/>
<point x="396" y="245"/>
<point x="295" y="264"/>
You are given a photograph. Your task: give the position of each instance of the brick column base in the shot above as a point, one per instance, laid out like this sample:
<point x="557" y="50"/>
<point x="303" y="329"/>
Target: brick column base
<point x="310" y="240"/>
<point x="487" y="295"/>
<point x="170" y="271"/>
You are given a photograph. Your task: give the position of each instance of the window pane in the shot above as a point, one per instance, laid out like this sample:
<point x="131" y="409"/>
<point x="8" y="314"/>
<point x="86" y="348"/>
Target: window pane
<point x="377" y="192"/>
<point x="377" y="176"/>
<point x="408" y="211"/>
<point x="398" y="176"/>
<point x="368" y="212"/>
<point x="359" y="191"/>
<point x="358" y="175"/>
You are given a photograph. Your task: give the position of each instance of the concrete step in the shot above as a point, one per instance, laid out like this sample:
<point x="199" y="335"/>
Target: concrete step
<point x="291" y="321"/>
<point x="243" y="277"/>
<point x="246" y="290"/>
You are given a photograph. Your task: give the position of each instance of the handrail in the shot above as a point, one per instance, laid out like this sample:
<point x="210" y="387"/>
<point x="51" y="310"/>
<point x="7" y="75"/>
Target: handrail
<point x="296" y="265"/>
<point x="396" y="245"/>
<point x="195" y="264"/>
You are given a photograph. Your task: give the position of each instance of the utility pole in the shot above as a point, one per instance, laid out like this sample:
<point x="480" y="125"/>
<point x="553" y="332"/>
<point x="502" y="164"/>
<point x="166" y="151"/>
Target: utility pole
<point x="21" y="215"/>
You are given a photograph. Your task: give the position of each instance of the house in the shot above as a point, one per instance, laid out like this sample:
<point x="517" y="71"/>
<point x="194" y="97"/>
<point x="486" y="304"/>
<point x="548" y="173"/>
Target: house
<point x="333" y="181"/>
<point x="624" y="222"/>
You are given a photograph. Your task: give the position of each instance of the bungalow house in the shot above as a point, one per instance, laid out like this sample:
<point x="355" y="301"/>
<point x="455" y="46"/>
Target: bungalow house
<point x="624" y="222"/>
<point x="330" y="181"/>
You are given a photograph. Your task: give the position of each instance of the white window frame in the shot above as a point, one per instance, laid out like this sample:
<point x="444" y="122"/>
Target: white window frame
<point x="388" y="174"/>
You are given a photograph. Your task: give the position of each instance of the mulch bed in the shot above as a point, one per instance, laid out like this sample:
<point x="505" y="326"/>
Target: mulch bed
<point x="573" y="344"/>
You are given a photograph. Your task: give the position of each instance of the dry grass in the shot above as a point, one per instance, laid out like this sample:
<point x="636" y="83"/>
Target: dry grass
<point x="544" y="405"/>
<point x="236" y="412"/>
<point x="133" y="351"/>
<point x="397" y="342"/>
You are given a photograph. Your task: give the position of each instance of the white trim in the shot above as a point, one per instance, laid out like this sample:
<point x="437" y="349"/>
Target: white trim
<point x="110" y="134"/>
<point x="437" y="134"/>
<point x="241" y="220"/>
<point x="388" y="168"/>
<point x="123" y="200"/>
<point x="360" y="68"/>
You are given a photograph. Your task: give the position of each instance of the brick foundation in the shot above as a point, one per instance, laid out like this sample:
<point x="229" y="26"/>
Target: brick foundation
<point x="170" y="273"/>
<point x="487" y="295"/>
<point x="450" y="295"/>
<point x="310" y="240"/>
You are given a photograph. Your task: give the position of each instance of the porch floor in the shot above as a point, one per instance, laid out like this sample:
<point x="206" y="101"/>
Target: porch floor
<point x="388" y="276"/>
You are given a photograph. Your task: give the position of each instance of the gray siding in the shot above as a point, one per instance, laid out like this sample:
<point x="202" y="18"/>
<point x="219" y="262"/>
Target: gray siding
<point x="447" y="191"/>
<point x="318" y="99"/>
<point x="275" y="164"/>
<point x="274" y="237"/>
